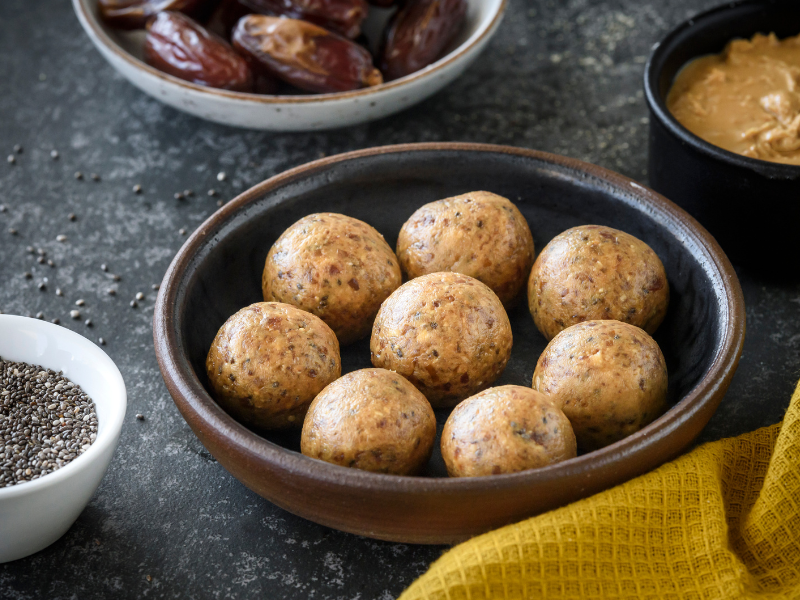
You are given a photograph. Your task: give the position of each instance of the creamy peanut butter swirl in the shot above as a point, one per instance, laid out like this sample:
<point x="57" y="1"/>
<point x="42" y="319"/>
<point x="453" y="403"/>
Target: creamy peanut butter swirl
<point x="746" y="99"/>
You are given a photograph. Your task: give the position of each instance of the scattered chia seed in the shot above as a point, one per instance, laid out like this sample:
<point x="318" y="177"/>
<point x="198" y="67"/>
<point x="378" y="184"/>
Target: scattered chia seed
<point x="56" y="321"/>
<point x="12" y="231"/>
<point x="188" y="193"/>
<point x="80" y="302"/>
<point x="177" y="196"/>
<point x="28" y="275"/>
<point x="221" y="176"/>
<point x="116" y="277"/>
<point x="40" y="251"/>
<point x="40" y="315"/>
<point x="102" y="341"/>
<point x="46" y="421"/>
<point x="140" y="296"/>
<point x="134" y="304"/>
<point x="78" y="175"/>
<point x="155" y="287"/>
<point x="212" y="192"/>
<point x="30" y="250"/>
<point x="140" y="417"/>
<point x="61" y="238"/>
<point x="95" y="177"/>
<point x="40" y="260"/>
<point x="104" y="268"/>
<point x="75" y="314"/>
<point x="112" y="292"/>
<point x="137" y="189"/>
<point x="3" y="208"/>
<point x="54" y="154"/>
<point x="17" y="148"/>
<point x="219" y="203"/>
<point x="88" y="322"/>
<point x="71" y="216"/>
<point x="59" y="292"/>
<point x="50" y="263"/>
<point x="42" y="285"/>
<point x="11" y="159"/>
<point x="182" y="231"/>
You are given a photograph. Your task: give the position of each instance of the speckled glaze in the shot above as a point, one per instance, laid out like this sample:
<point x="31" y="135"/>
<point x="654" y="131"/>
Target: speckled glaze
<point x="333" y="266"/>
<point x="505" y="429"/>
<point x="594" y="272"/>
<point x="269" y="361"/>
<point x="609" y="378"/>
<point x="479" y="234"/>
<point x="446" y="333"/>
<point x="371" y="419"/>
<point x="701" y="338"/>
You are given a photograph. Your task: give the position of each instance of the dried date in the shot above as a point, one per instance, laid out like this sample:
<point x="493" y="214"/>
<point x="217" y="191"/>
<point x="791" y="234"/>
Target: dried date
<point x="304" y="54"/>
<point x="418" y="34"/>
<point x="181" y="47"/>
<point x="340" y="16"/>
<point x="134" y="14"/>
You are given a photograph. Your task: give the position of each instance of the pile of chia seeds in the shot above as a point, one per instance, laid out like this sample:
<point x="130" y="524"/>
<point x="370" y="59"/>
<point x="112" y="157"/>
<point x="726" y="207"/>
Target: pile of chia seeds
<point x="46" y="421"/>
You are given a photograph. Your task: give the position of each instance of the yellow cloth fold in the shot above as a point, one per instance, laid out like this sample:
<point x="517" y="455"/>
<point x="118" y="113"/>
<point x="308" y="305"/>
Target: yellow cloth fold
<point x="720" y="522"/>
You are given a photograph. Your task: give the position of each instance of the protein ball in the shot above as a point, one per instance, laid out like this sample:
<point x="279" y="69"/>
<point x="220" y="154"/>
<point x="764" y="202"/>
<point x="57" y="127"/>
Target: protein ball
<point x="608" y="377"/>
<point x="479" y="234"/>
<point x="372" y="420"/>
<point x="595" y="272"/>
<point x="335" y="267"/>
<point x="504" y="430"/>
<point x="447" y="333"/>
<point x="269" y="361"/>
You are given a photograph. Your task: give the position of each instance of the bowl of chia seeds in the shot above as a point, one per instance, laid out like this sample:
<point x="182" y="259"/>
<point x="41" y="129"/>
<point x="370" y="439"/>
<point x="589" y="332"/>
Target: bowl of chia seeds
<point x="62" y="404"/>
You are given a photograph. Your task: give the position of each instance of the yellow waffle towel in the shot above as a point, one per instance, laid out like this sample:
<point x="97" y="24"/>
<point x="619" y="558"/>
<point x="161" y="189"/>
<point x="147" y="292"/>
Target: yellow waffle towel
<point x="720" y="522"/>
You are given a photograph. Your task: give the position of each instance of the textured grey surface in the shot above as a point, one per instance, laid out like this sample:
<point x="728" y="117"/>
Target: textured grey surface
<point x="168" y="521"/>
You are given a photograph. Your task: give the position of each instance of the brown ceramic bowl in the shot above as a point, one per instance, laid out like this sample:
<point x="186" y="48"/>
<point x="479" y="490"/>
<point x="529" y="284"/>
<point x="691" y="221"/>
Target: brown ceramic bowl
<point x="218" y="271"/>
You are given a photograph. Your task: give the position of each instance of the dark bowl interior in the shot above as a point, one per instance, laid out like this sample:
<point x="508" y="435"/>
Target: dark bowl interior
<point x="749" y="205"/>
<point x="219" y="271"/>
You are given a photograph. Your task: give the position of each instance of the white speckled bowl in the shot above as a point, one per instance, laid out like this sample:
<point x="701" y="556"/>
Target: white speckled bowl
<point x="294" y="113"/>
<point x="35" y="514"/>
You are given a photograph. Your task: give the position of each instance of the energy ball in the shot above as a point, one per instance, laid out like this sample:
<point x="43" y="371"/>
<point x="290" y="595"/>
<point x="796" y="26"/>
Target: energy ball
<point x="335" y="267"/>
<point x="504" y="430"/>
<point x="447" y="333"/>
<point x="479" y="234"/>
<point x="608" y="377"/>
<point x="372" y="420"/>
<point x="594" y="272"/>
<point x="269" y="361"/>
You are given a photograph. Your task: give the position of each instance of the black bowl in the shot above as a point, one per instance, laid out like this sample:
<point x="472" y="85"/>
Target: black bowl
<point x="218" y="271"/>
<point x="751" y="206"/>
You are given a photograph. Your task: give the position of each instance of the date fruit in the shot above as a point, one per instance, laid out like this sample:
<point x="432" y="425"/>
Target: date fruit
<point x="304" y="54"/>
<point x="418" y="34"/>
<point x="340" y="16"/>
<point x="181" y="47"/>
<point x="134" y="14"/>
<point x="384" y="3"/>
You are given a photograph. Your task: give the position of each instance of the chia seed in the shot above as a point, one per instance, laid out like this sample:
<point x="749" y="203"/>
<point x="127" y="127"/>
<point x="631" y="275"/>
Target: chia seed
<point x="11" y="159"/>
<point x="17" y="148"/>
<point x="137" y="189"/>
<point x="46" y="421"/>
<point x="221" y="176"/>
<point x="95" y="177"/>
<point x="78" y="175"/>
<point x="54" y="154"/>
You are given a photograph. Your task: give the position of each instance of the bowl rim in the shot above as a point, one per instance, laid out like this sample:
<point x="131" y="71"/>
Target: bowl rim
<point x="483" y="30"/>
<point x="106" y="440"/>
<point x="189" y="394"/>
<point x="658" y="106"/>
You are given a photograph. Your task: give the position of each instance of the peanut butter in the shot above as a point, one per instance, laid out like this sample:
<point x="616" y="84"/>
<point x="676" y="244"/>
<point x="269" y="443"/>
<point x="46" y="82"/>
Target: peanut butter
<point x="746" y="99"/>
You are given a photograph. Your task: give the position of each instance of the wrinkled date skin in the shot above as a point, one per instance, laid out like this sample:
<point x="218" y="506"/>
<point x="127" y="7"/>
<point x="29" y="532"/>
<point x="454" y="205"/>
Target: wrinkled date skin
<point x="305" y="55"/>
<point x="385" y="3"/>
<point x="340" y="16"/>
<point x="134" y="14"/>
<point x="418" y="34"/>
<point x="179" y="46"/>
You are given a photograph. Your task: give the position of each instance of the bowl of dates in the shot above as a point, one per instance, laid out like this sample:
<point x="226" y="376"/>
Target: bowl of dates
<point x="290" y="65"/>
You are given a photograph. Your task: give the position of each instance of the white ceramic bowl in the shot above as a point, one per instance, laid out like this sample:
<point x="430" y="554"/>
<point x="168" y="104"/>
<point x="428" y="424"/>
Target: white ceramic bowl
<point x="35" y="514"/>
<point x="294" y="113"/>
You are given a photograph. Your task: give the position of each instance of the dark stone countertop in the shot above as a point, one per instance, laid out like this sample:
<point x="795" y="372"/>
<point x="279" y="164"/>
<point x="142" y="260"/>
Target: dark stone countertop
<point x="167" y="521"/>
